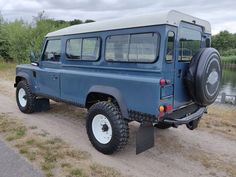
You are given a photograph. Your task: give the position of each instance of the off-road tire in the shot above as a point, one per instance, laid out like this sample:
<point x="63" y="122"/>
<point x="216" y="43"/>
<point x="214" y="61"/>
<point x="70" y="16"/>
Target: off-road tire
<point x="120" y="129"/>
<point x="162" y="125"/>
<point x="30" y="97"/>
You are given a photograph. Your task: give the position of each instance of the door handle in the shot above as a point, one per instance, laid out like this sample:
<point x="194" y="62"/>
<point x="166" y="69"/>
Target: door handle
<point x="54" y="77"/>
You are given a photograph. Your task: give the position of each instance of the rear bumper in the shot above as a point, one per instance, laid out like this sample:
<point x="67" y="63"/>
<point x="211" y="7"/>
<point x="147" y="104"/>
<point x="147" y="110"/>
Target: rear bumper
<point x="177" y="118"/>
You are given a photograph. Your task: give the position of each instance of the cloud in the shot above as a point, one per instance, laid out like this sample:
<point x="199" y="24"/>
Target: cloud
<point x="221" y="14"/>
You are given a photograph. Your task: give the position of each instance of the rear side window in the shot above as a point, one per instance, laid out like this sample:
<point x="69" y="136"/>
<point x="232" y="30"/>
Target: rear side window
<point x="170" y="46"/>
<point x="53" y="50"/>
<point x="143" y="47"/>
<point x="189" y="43"/>
<point x="117" y="48"/>
<point x="132" y="48"/>
<point x="73" y="48"/>
<point x="83" y="49"/>
<point x="90" y="49"/>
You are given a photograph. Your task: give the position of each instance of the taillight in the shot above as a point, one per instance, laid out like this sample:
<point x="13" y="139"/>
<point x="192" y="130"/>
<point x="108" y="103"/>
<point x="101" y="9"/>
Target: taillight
<point x="168" y="108"/>
<point x="162" y="82"/>
<point x="164" y="109"/>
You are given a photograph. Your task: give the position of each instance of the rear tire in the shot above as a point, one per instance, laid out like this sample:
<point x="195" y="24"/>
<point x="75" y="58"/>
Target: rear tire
<point x="107" y="130"/>
<point x="25" y="99"/>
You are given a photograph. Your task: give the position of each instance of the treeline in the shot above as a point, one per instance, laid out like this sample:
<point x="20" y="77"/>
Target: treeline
<point x="18" y="38"/>
<point x="225" y="43"/>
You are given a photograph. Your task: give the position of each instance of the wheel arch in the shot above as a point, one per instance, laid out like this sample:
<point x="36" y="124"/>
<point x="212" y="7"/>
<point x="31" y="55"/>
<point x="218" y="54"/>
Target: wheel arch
<point x="22" y="76"/>
<point x="98" y="92"/>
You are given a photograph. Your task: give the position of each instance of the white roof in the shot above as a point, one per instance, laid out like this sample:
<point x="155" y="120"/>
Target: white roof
<point x="172" y="18"/>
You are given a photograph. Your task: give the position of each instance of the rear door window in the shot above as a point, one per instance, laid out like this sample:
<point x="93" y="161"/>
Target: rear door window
<point x="170" y="46"/>
<point x="189" y="43"/>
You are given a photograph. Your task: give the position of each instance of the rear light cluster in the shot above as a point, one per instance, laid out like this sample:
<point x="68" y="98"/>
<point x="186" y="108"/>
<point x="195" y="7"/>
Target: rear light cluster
<point x="166" y="108"/>
<point x="164" y="82"/>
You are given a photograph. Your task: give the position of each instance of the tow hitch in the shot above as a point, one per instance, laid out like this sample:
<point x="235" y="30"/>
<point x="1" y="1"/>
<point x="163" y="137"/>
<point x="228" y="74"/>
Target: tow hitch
<point x="193" y="124"/>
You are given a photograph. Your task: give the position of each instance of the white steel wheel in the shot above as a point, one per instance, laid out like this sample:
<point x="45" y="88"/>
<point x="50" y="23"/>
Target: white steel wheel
<point x="22" y="97"/>
<point x="107" y="130"/>
<point x="101" y="128"/>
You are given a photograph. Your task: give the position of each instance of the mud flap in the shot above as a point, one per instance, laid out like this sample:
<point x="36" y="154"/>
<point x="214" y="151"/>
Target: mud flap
<point x="42" y="104"/>
<point x="144" y="137"/>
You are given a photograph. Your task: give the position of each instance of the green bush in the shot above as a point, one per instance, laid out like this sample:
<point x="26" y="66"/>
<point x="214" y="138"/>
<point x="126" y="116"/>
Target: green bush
<point x="18" y="38"/>
<point x="228" y="59"/>
<point x="230" y="52"/>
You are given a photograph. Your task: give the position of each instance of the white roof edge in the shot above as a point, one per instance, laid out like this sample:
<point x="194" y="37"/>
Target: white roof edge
<point x="172" y="18"/>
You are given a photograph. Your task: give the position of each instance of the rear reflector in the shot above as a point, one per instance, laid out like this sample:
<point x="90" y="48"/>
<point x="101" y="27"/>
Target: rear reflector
<point x="168" y="108"/>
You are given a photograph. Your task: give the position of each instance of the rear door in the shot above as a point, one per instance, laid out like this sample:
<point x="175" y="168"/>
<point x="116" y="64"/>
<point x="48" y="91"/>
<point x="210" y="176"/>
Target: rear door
<point x="189" y="42"/>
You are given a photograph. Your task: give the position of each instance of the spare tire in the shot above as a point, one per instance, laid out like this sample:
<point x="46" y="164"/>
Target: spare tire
<point x="204" y="76"/>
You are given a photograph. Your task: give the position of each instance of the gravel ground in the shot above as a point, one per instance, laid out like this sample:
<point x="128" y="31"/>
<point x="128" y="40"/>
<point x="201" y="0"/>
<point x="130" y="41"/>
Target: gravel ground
<point x="177" y="152"/>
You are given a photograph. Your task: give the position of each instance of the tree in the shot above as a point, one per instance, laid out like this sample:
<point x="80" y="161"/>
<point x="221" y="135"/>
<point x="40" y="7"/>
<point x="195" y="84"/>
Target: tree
<point x="18" y="38"/>
<point x="89" y="21"/>
<point x="75" y="22"/>
<point x="224" y="41"/>
<point x="4" y="43"/>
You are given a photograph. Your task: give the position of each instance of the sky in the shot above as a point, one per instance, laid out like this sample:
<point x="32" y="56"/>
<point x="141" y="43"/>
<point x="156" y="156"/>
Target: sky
<point x="221" y="14"/>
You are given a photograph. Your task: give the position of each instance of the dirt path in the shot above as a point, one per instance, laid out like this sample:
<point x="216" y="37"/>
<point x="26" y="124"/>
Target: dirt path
<point x="178" y="152"/>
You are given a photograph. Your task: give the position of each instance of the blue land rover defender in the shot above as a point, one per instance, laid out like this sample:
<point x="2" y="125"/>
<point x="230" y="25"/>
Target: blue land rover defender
<point x="156" y="69"/>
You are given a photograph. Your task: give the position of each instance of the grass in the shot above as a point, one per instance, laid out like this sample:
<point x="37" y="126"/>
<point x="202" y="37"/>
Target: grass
<point x="102" y="171"/>
<point x="54" y="156"/>
<point x="77" y="173"/>
<point x="7" y="70"/>
<point x="228" y="59"/>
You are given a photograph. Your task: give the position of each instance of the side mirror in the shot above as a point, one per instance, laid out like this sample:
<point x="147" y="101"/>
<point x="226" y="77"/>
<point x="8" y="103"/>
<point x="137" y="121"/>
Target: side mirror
<point x="33" y="59"/>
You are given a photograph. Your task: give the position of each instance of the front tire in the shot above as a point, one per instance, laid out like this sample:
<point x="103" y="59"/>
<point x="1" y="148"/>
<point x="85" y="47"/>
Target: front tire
<point x="25" y="99"/>
<point x="107" y="130"/>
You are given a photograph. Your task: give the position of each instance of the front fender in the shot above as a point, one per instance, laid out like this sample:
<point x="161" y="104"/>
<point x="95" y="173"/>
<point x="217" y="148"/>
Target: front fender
<point x="23" y="75"/>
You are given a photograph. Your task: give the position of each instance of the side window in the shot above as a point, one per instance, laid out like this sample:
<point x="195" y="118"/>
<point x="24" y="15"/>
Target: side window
<point x="132" y="48"/>
<point x="170" y="46"/>
<point x="53" y="50"/>
<point x="73" y="48"/>
<point x="83" y="49"/>
<point x="208" y="42"/>
<point x="117" y="48"/>
<point x="143" y="47"/>
<point x="90" y="49"/>
<point x="189" y="43"/>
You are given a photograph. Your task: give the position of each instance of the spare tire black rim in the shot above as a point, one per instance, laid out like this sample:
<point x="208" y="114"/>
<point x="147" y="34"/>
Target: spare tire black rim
<point x="213" y="77"/>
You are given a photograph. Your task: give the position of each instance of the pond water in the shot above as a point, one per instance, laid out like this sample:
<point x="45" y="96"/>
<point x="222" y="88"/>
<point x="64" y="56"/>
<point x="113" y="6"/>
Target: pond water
<point x="229" y="81"/>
